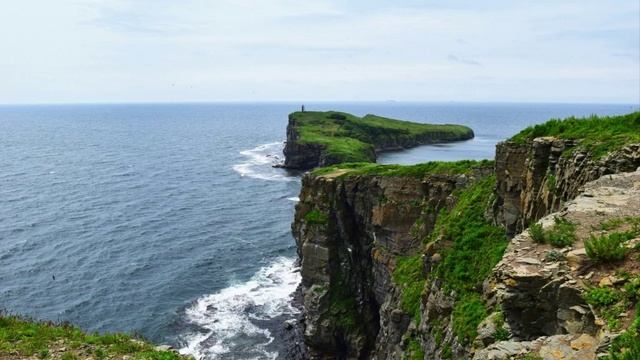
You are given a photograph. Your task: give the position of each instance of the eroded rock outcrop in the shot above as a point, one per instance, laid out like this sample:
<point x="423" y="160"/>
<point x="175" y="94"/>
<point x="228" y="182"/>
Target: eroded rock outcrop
<point x="540" y="290"/>
<point x="536" y="178"/>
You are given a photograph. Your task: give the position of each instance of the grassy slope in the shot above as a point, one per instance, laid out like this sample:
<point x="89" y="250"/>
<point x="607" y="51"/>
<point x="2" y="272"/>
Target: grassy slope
<point x="597" y="134"/>
<point x="22" y="338"/>
<point x="352" y="138"/>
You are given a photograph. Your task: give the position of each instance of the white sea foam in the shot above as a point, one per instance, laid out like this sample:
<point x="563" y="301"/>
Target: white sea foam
<point x="225" y="318"/>
<point x="294" y="199"/>
<point x="259" y="163"/>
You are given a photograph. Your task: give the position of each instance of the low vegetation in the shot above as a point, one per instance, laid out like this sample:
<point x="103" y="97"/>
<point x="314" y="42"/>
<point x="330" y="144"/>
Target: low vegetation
<point x="476" y="247"/>
<point x="501" y="332"/>
<point x="353" y="139"/>
<point x="418" y="171"/>
<point x="611" y="302"/>
<point x="609" y="247"/>
<point x="409" y="276"/>
<point x="468" y="311"/>
<point x="561" y="234"/>
<point x="597" y="134"/>
<point x="316" y="217"/>
<point x="28" y="338"/>
<point x="414" y="350"/>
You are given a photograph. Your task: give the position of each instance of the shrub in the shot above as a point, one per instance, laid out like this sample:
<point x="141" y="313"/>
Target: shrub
<point x="563" y="233"/>
<point x="316" y="217"/>
<point x="606" y="248"/>
<point x="627" y="345"/>
<point x="537" y="233"/>
<point x="601" y="297"/>
<point x="501" y="334"/>
<point x="632" y="288"/>
<point x="554" y="256"/>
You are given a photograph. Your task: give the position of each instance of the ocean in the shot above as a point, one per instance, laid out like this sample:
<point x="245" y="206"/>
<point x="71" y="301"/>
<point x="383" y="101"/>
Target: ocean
<point x="168" y="220"/>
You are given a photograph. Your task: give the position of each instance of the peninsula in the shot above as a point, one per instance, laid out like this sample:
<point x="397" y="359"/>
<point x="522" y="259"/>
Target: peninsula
<point x="316" y="138"/>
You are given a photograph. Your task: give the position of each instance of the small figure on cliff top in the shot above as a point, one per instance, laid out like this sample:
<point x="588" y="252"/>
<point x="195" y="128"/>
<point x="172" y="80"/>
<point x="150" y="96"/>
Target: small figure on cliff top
<point x="302" y="107"/>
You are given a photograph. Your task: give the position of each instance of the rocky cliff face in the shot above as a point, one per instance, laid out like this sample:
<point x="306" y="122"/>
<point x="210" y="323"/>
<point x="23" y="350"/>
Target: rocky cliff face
<point x="350" y="232"/>
<point x="535" y="179"/>
<point x="354" y="233"/>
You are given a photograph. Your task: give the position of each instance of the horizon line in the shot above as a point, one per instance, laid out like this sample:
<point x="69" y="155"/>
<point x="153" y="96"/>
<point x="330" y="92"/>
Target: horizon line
<point x="195" y="102"/>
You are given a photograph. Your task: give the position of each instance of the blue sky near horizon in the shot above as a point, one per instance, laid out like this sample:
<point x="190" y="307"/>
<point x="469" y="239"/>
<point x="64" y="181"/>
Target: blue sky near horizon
<point x="263" y="50"/>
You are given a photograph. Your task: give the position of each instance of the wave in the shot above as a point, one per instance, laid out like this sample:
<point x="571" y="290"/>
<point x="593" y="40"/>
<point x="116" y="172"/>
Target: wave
<point x="227" y="321"/>
<point x="259" y="163"/>
<point x="294" y="199"/>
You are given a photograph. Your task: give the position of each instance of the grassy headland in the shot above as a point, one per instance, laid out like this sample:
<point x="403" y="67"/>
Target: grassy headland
<point x="347" y="138"/>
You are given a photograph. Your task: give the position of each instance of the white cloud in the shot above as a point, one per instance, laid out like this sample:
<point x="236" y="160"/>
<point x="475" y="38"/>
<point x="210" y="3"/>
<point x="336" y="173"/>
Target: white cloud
<point x="121" y="50"/>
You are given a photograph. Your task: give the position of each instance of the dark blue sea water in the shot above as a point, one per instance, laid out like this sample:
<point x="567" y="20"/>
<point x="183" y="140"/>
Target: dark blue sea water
<point x="168" y="220"/>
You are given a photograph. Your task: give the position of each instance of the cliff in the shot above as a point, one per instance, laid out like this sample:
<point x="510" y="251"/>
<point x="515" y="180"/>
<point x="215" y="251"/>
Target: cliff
<point x="545" y="165"/>
<point x="415" y="262"/>
<point x="326" y="138"/>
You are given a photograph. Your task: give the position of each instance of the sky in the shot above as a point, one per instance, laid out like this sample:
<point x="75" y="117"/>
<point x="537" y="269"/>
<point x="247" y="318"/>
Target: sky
<point x="72" y="51"/>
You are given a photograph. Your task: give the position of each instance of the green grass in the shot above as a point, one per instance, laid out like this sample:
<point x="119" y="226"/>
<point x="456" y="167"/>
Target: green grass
<point x="468" y="312"/>
<point x="28" y="338"/>
<point x="476" y="247"/>
<point x="349" y="138"/>
<point x="501" y="332"/>
<point x="414" y="350"/>
<point x="610" y="303"/>
<point x="627" y="345"/>
<point x="608" y="248"/>
<point x="408" y="275"/>
<point x="601" y="297"/>
<point x="316" y="217"/>
<point x="417" y="171"/>
<point x="598" y="134"/>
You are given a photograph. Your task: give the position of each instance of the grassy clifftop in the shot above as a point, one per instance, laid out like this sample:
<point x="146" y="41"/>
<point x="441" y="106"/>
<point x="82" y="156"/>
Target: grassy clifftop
<point x="22" y="338"/>
<point x="418" y="170"/>
<point x="598" y="134"/>
<point x="326" y="138"/>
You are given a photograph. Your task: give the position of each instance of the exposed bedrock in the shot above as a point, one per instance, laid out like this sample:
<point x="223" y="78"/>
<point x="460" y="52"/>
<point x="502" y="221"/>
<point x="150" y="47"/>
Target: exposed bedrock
<point x="535" y="178"/>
